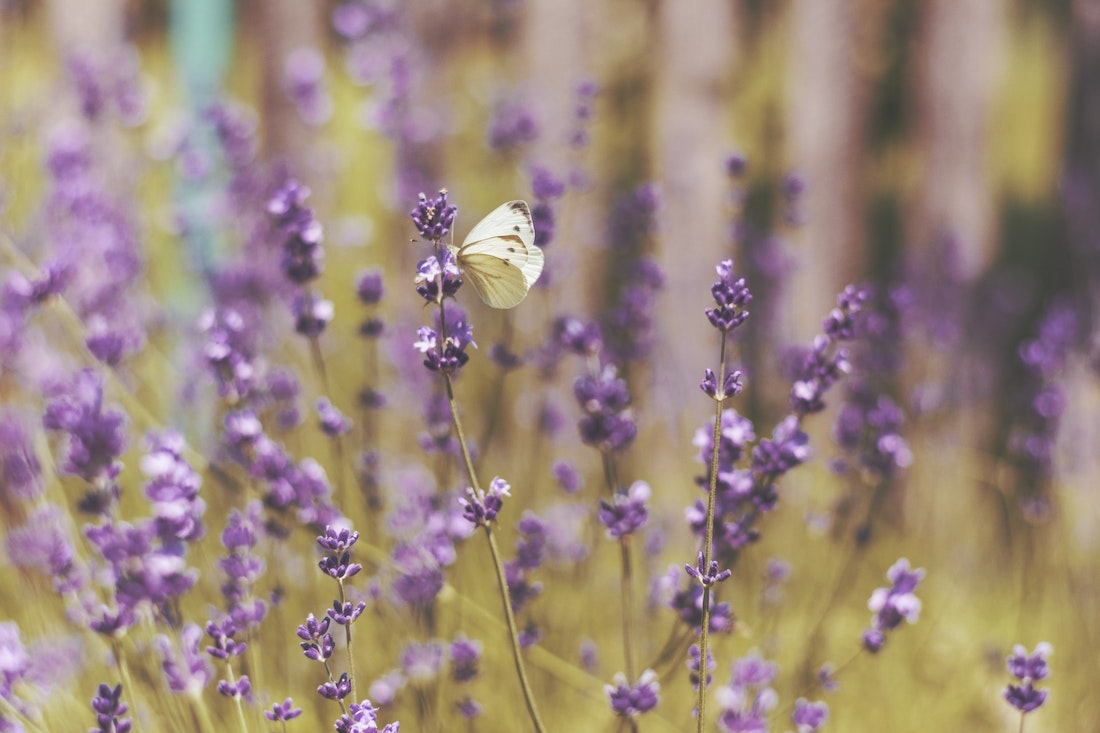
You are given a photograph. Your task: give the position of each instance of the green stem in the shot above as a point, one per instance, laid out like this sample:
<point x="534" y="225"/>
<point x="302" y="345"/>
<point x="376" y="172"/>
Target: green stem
<point x="708" y="538"/>
<point x="127" y="682"/>
<point x="347" y="636"/>
<point x="513" y="634"/>
<point x="510" y="619"/>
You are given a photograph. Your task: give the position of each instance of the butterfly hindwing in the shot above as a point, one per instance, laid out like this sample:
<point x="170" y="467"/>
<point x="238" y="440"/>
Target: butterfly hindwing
<point x="498" y="282"/>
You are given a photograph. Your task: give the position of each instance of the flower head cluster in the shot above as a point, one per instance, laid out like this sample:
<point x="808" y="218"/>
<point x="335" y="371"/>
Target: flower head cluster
<point x="316" y="641"/>
<point x="229" y="352"/>
<point x="363" y="718"/>
<point x="546" y="188"/>
<point x="808" y="717"/>
<point x="438" y="277"/>
<point x="629" y="701"/>
<point x="173" y="489"/>
<point x="893" y="605"/>
<point x="530" y="555"/>
<point x="434" y="217"/>
<point x="825" y="362"/>
<point x="96" y="436"/>
<point x="337" y="561"/>
<point x="749" y="697"/>
<point x="1028" y="669"/>
<point x="187" y="670"/>
<point x="513" y="125"/>
<point x="731" y="297"/>
<point x="109" y="709"/>
<point x="242" y="567"/>
<point x="299" y="230"/>
<point x="607" y="423"/>
<point x="282" y="711"/>
<point x="869" y="427"/>
<point x="481" y="507"/>
<point x="627" y="512"/>
<point x="333" y="422"/>
<point x="446" y="354"/>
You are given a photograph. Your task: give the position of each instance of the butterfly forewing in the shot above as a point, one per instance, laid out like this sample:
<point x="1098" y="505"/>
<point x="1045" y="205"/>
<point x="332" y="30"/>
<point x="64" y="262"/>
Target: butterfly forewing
<point x="509" y="219"/>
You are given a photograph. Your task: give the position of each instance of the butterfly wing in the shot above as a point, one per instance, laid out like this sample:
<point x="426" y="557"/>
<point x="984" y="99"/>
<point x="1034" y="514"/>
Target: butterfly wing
<point x="499" y="255"/>
<point x="510" y="219"/>
<point x="499" y="282"/>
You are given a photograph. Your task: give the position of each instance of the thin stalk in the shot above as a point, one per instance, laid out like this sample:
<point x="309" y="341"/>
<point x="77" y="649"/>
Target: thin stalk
<point x="236" y="698"/>
<point x="337" y="440"/>
<point x="708" y="539"/>
<point x="509" y="617"/>
<point x="127" y="681"/>
<point x="347" y="637"/>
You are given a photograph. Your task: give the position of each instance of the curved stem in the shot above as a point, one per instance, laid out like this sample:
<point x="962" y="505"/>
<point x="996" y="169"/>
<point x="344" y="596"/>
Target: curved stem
<point x="498" y="565"/>
<point x="510" y="618"/>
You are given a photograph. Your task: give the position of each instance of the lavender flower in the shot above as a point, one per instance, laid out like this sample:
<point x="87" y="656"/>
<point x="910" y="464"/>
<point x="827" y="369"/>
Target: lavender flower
<point x="283" y="711"/>
<point x="480" y="507"/>
<point x="421" y="663"/>
<point x="333" y="422"/>
<point x="465" y="655"/>
<point x="438" y="277"/>
<point x="607" y="423"/>
<point x="317" y="644"/>
<point x="627" y="512"/>
<point x="173" y="490"/>
<point x="187" y="670"/>
<point x="630" y="701"/>
<point x="513" y="125"/>
<point x="363" y="718"/>
<point x="109" y="709"/>
<point x="434" y="218"/>
<point x="96" y="438"/>
<point x="731" y="296"/>
<point x="447" y="354"/>
<point x="808" y="717"/>
<point x="1028" y="669"/>
<point x="893" y="605"/>
<point x="748" y="698"/>
<point x="300" y="232"/>
<point x="370" y="287"/>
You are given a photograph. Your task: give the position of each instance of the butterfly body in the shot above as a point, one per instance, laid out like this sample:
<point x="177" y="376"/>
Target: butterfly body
<point x="499" y="257"/>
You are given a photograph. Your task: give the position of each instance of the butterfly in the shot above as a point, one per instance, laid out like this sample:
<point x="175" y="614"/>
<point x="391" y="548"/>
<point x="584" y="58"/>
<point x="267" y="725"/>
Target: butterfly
<point x="499" y="256"/>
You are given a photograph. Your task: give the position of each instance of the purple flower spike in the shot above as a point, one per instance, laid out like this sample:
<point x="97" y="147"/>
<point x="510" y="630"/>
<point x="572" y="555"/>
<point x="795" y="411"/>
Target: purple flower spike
<point x="628" y="512"/>
<point x="312" y="314"/>
<point x="109" y="709"/>
<point x="731" y="296"/>
<point x="337" y="690"/>
<point x="438" y="277"/>
<point x="808" y="717"/>
<point x="627" y="701"/>
<point x="893" y="605"/>
<point x="480" y="507"/>
<point x="362" y="718"/>
<point x="339" y="567"/>
<point x="370" y="287"/>
<point x="434" y="218"/>
<point x="337" y="540"/>
<point x="333" y="422"/>
<point x="1028" y="669"/>
<point x="96" y="437"/>
<point x="731" y="385"/>
<point x="465" y="655"/>
<point x="708" y="576"/>
<point x="283" y="711"/>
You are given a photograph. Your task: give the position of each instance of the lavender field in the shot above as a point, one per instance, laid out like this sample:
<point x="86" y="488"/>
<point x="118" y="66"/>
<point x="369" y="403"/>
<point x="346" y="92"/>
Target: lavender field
<point x="547" y="365"/>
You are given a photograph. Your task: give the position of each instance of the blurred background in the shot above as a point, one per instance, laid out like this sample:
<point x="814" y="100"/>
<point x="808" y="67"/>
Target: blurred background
<point x="946" y="152"/>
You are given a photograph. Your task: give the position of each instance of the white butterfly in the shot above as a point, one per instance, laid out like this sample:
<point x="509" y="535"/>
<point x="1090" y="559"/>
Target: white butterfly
<point x="499" y="256"/>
